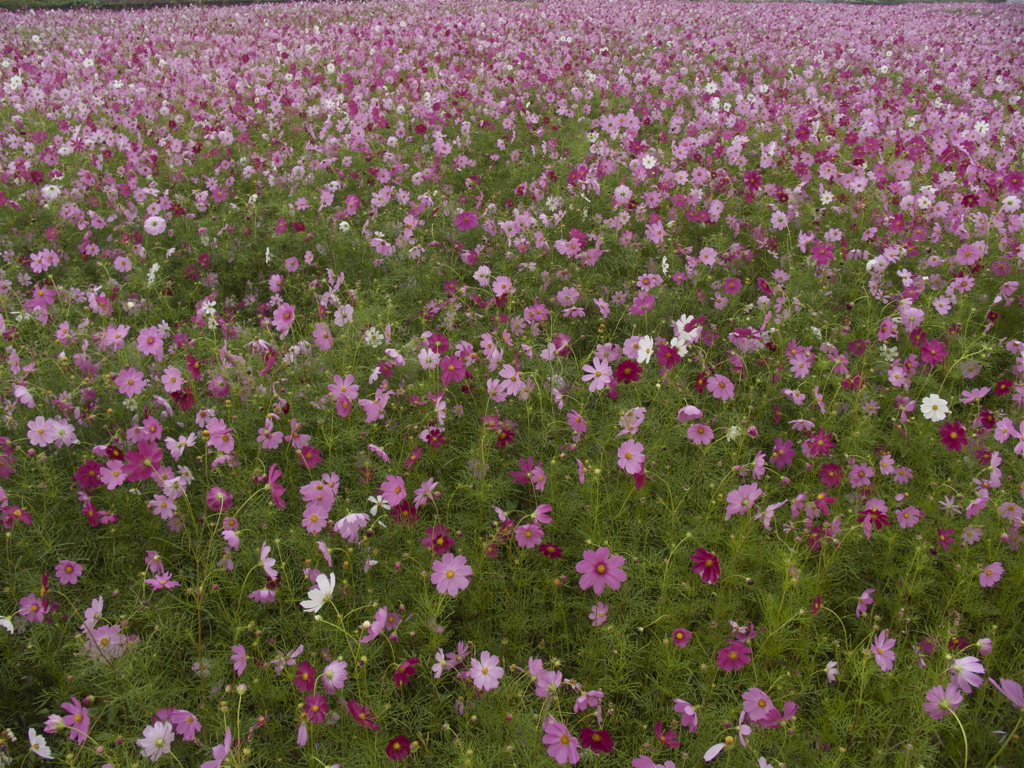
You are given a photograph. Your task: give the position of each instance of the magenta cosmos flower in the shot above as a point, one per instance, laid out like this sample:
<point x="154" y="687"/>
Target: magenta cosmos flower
<point x="953" y="435"/>
<point x="362" y="715"/>
<point x="681" y="637"/>
<point x="451" y="574"/>
<point x="68" y="571"/>
<point x="706" y="565"/>
<point x="398" y="748"/>
<point x="601" y="569"/>
<point x="465" y="220"/>
<point x="733" y="657"/>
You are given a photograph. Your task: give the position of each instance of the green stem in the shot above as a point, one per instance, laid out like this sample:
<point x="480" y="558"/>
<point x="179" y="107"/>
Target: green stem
<point x="1006" y="743"/>
<point x="967" y="748"/>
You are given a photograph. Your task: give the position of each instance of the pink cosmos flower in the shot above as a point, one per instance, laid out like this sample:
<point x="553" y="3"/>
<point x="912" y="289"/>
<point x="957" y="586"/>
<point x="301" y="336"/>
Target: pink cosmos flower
<point x="576" y="422"/>
<point x="741" y="500"/>
<point x="864" y="601"/>
<point x="185" y="724"/>
<point x="966" y="673"/>
<point x="151" y="342"/>
<point x="991" y="575"/>
<point x="220" y="752"/>
<point x="599" y="374"/>
<point x="172" y="379"/>
<point x="451" y="574"/>
<point x="631" y="456"/>
<point x="316" y="708"/>
<point x="143" y="462"/>
<point x="239" y="659"/>
<point x="600" y="569"/>
<point x="485" y="671"/>
<point x="721" y="387"/>
<point x="130" y="382"/>
<point x="41" y="431"/>
<point x="529" y="535"/>
<point x="163" y="580"/>
<point x="688" y="413"/>
<point x="334" y="676"/>
<point x="757" y="704"/>
<point x="284" y="316"/>
<point x="938" y="701"/>
<point x="562" y="745"/>
<point x="598" y="614"/>
<point x="882" y="650"/>
<point x="700" y="434"/>
<point x="218" y="499"/>
<point x="1012" y="690"/>
<point x="687" y="714"/>
<point x="68" y="571"/>
<point x="32" y="608"/>
<point x="77" y="719"/>
<point x="393" y="490"/>
<point x="405" y="671"/>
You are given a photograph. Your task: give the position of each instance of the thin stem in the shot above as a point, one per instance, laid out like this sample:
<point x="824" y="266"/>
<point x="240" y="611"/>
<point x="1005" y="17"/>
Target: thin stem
<point x="967" y="748"/>
<point x="1006" y="743"/>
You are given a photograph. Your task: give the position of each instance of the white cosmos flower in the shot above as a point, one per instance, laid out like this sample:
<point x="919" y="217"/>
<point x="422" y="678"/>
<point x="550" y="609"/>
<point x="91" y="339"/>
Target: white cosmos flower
<point x="319" y="594"/>
<point x="645" y="350"/>
<point x="37" y="744"/>
<point x="934" y="408"/>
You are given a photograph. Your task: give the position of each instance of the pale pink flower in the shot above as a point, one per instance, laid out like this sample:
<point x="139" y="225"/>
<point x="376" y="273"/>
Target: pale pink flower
<point x="451" y="574"/>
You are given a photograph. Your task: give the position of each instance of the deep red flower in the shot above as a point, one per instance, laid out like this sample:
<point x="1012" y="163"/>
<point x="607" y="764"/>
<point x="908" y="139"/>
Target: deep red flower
<point x="505" y="437"/>
<point x="701" y="382"/>
<point x="550" y="550"/>
<point x="627" y="371"/>
<point x="954" y="435"/>
<point x="404" y="513"/>
<point x="597" y="741"/>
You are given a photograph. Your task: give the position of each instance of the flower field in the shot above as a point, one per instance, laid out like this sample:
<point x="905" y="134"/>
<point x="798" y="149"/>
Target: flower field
<point x="512" y="384"/>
